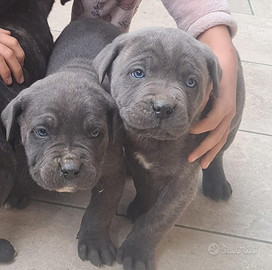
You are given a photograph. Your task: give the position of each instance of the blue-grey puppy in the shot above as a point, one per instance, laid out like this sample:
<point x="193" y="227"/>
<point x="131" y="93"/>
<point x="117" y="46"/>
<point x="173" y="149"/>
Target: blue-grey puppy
<point x="159" y="78"/>
<point x="36" y="40"/>
<point x="72" y="134"/>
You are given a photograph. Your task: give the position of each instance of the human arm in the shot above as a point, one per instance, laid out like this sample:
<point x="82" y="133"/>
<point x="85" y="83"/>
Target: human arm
<point x="211" y="23"/>
<point x="11" y="58"/>
<point x="223" y="110"/>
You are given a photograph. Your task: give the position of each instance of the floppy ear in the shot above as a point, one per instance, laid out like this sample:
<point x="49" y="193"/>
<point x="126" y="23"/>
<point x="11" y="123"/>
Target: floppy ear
<point x="105" y="58"/>
<point x="215" y="71"/>
<point x="10" y="117"/>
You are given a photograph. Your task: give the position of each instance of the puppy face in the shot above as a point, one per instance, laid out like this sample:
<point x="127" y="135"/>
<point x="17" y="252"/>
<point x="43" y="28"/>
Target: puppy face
<point x="65" y="124"/>
<point x="159" y="78"/>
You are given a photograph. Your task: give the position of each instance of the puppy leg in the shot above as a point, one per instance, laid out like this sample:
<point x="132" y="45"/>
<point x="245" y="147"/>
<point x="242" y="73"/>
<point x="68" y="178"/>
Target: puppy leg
<point x="215" y="184"/>
<point x="174" y="195"/>
<point x="139" y="205"/>
<point x="7" y="172"/>
<point x="22" y="189"/>
<point x="94" y="241"/>
<point x="144" y="199"/>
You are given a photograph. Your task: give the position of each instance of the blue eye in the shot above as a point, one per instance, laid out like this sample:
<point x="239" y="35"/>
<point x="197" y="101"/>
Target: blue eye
<point x="137" y="73"/>
<point x="41" y="132"/>
<point x="95" y="134"/>
<point x="191" y="82"/>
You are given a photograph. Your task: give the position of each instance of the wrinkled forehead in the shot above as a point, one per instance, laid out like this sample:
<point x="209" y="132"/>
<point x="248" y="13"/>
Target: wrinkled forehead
<point x="171" y="46"/>
<point x="67" y="103"/>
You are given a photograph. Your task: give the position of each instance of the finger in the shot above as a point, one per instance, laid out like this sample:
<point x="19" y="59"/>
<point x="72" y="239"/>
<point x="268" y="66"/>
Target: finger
<point x="4" y="71"/>
<point x="13" y="44"/>
<point x="210" y="122"/>
<point x="12" y="63"/>
<point x="208" y="158"/>
<point x="6" y="32"/>
<point x="210" y="141"/>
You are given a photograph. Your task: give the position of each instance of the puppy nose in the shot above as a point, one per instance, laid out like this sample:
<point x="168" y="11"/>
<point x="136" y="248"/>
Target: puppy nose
<point x="70" y="167"/>
<point x="162" y="109"/>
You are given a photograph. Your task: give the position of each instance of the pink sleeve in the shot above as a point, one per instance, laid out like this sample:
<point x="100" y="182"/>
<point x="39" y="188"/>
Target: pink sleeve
<point x="196" y="16"/>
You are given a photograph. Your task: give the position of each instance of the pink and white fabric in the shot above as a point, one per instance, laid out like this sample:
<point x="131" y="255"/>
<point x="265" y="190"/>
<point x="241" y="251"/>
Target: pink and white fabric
<point x="192" y="16"/>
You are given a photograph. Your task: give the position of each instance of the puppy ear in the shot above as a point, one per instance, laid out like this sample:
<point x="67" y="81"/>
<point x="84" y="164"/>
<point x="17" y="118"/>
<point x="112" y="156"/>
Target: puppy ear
<point x="215" y="71"/>
<point x="105" y="58"/>
<point x="10" y="118"/>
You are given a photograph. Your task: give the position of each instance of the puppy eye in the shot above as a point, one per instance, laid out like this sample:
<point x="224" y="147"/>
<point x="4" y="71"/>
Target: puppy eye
<point x="95" y="134"/>
<point x="191" y="82"/>
<point x="41" y="132"/>
<point x="137" y="73"/>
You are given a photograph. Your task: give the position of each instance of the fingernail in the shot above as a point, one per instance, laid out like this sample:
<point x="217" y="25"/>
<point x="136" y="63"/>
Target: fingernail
<point x="205" y="166"/>
<point x="8" y="81"/>
<point x="21" y="80"/>
<point x="191" y="159"/>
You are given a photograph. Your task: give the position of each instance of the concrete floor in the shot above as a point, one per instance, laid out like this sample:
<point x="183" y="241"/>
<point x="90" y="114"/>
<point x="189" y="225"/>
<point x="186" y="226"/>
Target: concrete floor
<point x="232" y="235"/>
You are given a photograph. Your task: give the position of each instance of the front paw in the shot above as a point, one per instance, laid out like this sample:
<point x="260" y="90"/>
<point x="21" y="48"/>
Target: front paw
<point x="7" y="251"/>
<point x="217" y="190"/>
<point x="99" y="250"/>
<point x="135" y="258"/>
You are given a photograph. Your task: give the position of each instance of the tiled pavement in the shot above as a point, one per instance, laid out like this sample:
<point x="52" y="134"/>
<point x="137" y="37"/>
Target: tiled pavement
<point x="233" y="235"/>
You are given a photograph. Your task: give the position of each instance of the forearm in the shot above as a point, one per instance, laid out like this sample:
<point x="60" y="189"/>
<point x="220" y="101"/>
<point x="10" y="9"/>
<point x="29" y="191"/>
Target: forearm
<point x="220" y="42"/>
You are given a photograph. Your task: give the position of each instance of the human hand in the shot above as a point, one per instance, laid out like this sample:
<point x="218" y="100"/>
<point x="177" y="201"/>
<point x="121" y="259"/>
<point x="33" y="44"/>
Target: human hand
<point x="218" y="120"/>
<point x="11" y="58"/>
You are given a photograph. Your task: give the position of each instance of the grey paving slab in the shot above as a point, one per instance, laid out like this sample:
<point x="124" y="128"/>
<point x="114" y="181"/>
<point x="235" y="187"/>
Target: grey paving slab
<point x="242" y="6"/>
<point x="79" y="199"/>
<point x="60" y="15"/>
<point x="258" y="106"/>
<point x="262" y="8"/>
<point x="254" y="38"/>
<point x="151" y="13"/>
<point x="55" y="34"/>
<point x="44" y="236"/>
<point x="193" y="250"/>
<point x="248" y="212"/>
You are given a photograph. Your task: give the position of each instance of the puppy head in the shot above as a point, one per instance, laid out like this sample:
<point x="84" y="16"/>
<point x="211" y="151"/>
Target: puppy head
<point x="66" y="123"/>
<point x="159" y="78"/>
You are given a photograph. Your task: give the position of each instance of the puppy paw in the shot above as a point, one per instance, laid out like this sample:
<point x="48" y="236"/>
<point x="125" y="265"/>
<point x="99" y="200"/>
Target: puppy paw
<point x="17" y="201"/>
<point x="217" y="190"/>
<point x="98" y="251"/>
<point x="135" y="258"/>
<point x="7" y="252"/>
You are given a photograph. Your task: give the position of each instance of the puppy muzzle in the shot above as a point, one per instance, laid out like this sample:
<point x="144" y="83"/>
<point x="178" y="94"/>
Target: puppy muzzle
<point x="161" y="116"/>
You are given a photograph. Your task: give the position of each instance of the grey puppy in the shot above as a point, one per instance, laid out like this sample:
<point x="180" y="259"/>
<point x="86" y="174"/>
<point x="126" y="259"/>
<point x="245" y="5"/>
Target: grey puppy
<point x="159" y="78"/>
<point x="36" y="40"/>
<point x="71" y="133"/>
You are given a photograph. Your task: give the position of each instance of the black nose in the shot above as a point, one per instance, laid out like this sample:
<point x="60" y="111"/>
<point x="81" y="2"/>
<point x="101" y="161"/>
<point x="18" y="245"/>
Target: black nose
<point x="162" y="109"/>
<point x="70" y="168"/>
